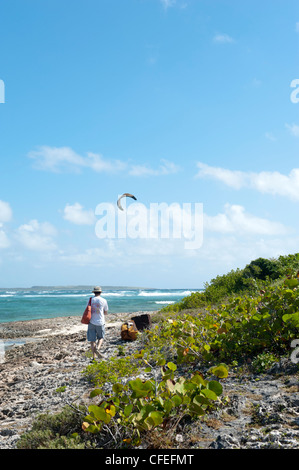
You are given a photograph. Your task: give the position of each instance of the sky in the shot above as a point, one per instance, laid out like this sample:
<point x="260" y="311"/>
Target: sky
<point x="189" y="103"/>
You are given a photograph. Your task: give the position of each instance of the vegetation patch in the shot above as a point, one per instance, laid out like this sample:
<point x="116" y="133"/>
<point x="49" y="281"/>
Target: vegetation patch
<point x="246" y="319"/>
<point x="57" y="431"/>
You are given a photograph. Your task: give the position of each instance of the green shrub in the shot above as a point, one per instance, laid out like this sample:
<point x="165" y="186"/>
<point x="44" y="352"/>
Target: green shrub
<point x="233" y="319"/>
<point x="257" y="275"/>
<point x="263" y="362"/>
<point x="243" y="326"/>
<point x="143" y="405"/>
<point x="56" y="431"/>
<point x="110" y="371"/>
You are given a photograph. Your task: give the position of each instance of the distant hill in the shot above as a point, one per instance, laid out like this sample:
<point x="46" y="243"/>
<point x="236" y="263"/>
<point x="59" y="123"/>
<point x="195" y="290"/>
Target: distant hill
<point x="83" y="287"/>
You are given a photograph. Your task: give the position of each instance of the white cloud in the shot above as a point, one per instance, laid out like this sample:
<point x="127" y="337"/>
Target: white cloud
<point x="89" y="257"/>
<point x="222" y="38"/>
<point x="77" y="215"/>
<point x="5" y="216"/>
<point x="234" y="179"/>
<point x="5" y="212"/>
<point x="4" y="241"/>
<point x="271" y="182"/>
<point x="37" y="236"/>
<point x="99" y="164"/>
<point x="58" y="159"/>
<point x="165" y="168"/>
<point x="126" y="253"/>
<point x="236" y="220"/>
<point x="294" y="129"/>
<point x="219" y="255"/>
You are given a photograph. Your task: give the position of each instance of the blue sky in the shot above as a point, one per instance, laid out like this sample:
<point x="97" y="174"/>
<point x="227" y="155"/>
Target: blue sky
<point x="175" y="101"/>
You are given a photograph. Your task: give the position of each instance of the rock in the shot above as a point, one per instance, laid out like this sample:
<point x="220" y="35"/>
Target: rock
<point x="7" y="432"/>
<point x="35" y="364"/>
<point x="225" y="441"/>
<point x="142" y="321"/>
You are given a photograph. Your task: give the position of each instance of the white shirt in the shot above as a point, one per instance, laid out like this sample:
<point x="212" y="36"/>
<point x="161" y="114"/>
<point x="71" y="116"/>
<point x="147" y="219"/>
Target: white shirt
<point x="98" y="307"/>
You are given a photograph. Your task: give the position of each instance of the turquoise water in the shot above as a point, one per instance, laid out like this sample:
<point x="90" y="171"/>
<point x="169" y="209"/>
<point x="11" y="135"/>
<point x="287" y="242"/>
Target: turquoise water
<point x="36" y="303"/>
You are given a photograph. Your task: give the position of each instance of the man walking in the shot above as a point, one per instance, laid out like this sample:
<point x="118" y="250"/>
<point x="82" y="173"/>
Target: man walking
<point x="96" y="326"/>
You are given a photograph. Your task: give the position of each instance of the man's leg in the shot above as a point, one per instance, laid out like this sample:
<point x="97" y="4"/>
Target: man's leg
<point x="100" y="340"/>
<point x="93" y="348"/>
<point x="91" y="337"/>
<point x="99" y="343"/>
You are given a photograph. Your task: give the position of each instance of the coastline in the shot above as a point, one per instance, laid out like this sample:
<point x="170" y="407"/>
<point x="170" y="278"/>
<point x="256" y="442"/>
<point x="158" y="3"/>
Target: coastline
<point x="18" y="333"/>
<point x="57" y="352"/>
<point x="43" y="327"/>
<point x="53" y="354"/>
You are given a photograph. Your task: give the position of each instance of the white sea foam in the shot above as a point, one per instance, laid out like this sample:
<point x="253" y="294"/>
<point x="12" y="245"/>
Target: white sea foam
<point x="165" y="302"/>
<point x="164" y="294"/>
<point x="116" y="294"/>
<point x="55" y="295"/>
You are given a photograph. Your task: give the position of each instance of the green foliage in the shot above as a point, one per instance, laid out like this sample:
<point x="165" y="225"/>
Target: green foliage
<point x="101" y="372"/>
<point x="194" y="300"/>
<point x="262" y="268"/>
<point x="241" y="327"/>
<point x="229" y="284"/>
<point x="61" y="389"/>
<point x="251" y="313"/>
<point x="248" y="281"/>
<point x="263" y="362"/>
<point x="250" y="325"/>
<point x="55" y="432"/>
<point x="259" y="326"/>
<point x="140" y="406"/>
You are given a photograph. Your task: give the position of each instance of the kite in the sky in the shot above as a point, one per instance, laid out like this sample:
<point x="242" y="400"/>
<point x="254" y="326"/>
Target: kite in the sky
<point x="124" y="195"/>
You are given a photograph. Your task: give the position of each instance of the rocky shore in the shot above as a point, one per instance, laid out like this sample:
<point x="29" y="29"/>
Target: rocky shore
<point x="261" y="412"/>
<point x="54" y="353"/>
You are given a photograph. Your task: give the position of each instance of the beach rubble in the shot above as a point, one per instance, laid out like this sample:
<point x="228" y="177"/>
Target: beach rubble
<point x="262" y="412"/>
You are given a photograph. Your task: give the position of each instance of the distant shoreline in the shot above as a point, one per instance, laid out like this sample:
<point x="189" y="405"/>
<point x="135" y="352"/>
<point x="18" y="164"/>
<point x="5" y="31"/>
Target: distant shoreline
<point x="76" y="287"/>
<point x="104" y="288"/>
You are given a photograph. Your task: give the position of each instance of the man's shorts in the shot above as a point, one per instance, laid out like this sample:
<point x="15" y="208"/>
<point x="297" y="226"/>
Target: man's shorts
<point x="95" y="332"/>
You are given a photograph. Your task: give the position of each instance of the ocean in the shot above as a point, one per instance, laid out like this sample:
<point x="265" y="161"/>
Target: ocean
<point x="50" y="302"/>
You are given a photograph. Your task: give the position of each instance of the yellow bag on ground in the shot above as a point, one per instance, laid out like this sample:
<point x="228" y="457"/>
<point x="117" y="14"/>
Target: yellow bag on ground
<point x="129" y="331"/>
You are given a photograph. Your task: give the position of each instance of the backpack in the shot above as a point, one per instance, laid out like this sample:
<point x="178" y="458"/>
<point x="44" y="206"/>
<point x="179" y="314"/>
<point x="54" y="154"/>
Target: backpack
<point x="128" y="331"/>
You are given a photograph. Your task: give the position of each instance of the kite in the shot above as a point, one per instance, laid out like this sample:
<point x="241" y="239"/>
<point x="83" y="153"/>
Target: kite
<point x="124" y="195"/>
